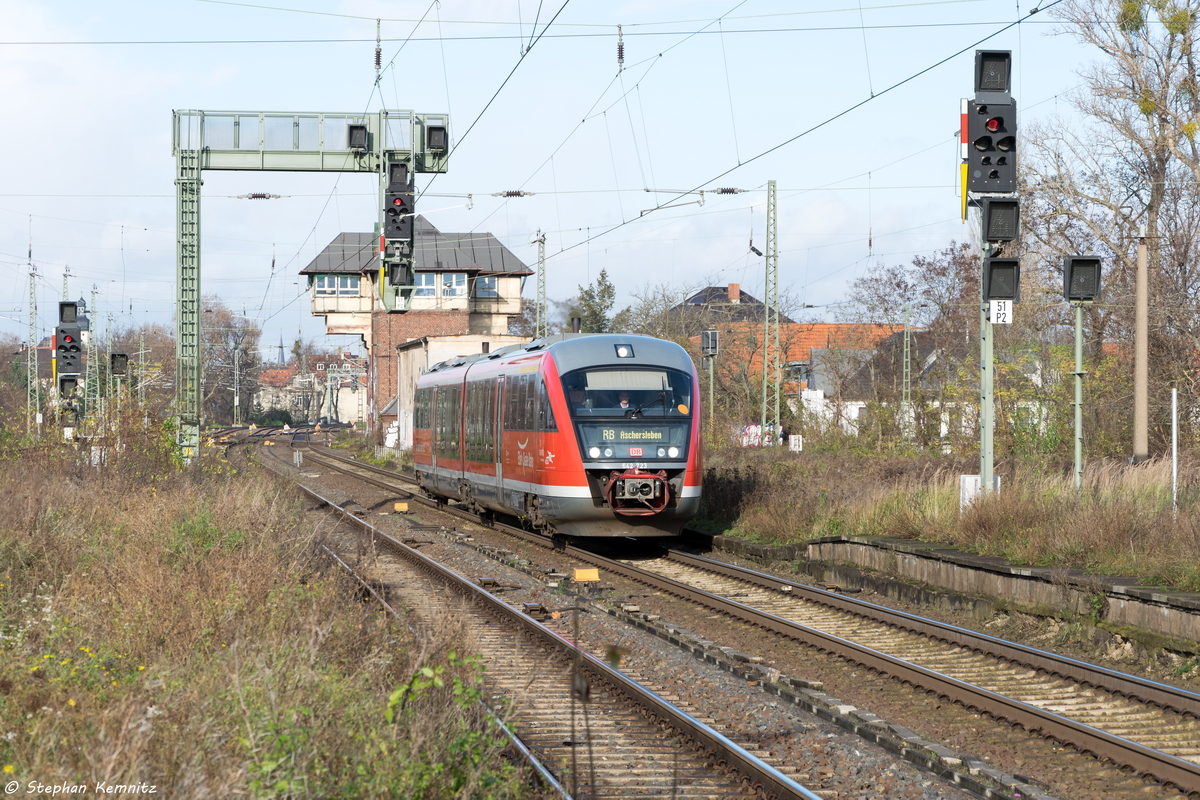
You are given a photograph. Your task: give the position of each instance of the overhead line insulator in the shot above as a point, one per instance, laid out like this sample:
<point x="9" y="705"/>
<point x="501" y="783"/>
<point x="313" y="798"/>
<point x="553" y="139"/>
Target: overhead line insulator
<point x="515" y="193"/>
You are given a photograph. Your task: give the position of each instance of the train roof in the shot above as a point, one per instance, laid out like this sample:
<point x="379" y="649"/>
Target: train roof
<point x="573" y="351"/>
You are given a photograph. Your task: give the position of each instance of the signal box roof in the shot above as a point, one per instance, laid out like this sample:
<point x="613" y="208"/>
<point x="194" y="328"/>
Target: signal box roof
<point x="434" y="251"/>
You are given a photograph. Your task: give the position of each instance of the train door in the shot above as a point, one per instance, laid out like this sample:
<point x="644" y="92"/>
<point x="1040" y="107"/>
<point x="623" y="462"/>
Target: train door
<point x="433" y="427"/>
<point x="501" y="489"/>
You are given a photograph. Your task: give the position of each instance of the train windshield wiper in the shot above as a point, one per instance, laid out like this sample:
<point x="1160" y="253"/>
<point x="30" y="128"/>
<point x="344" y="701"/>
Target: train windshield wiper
<point x="637" y="412"/>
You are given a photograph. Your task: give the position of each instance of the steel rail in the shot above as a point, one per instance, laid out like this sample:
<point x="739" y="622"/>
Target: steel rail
<point x="1163" y="695"/>
<point x="1122" y="684"/>
<point x="1145" y="760"/>
<point x="760" y="774"/>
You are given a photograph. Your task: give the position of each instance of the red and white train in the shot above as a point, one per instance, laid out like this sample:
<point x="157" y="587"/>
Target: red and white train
<point x="578" y="434"/>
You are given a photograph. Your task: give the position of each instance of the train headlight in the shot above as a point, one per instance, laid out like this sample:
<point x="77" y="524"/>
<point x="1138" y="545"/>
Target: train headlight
<point x="608" y="452"/>
<point x="594" y="452"/>
<point x="673" y="452"/>
<point x="662" y="451"/>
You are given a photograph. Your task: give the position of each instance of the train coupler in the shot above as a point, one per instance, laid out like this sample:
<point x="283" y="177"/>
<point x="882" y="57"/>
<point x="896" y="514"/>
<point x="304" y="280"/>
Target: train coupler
<point x="637" y="492"/>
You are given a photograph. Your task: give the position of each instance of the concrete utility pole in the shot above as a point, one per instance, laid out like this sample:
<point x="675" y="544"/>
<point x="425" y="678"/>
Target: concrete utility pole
<point x="1141" y="359"/>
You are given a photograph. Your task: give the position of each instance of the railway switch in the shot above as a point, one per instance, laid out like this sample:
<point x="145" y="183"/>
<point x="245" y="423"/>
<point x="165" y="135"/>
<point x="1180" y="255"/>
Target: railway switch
<point x="535" y="610"/>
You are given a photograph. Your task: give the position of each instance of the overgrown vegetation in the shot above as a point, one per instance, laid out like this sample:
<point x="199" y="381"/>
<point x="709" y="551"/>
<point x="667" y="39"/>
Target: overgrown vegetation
<point x="176" y="629"/>
<point x="1122" y="523"/>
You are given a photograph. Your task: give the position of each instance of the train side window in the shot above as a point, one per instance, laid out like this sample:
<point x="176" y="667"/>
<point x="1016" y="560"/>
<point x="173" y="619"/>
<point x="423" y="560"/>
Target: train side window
<point x="545" y="416"/>
<point x="481" y="420"/>
<point x="529" y="403"/>
<point x="519" y="416"/>
<point x="472" y="418"/>
<point x="448" y="423"/>
<point x="510" y="403"/>
<point x="421" y="409"/>
<point x="487" y="427"/>
<point x="455" y="421"/>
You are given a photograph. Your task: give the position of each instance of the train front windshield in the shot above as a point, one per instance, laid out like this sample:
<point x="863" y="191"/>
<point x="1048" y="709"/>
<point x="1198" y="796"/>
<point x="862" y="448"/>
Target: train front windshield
<point x="632" y="416"/>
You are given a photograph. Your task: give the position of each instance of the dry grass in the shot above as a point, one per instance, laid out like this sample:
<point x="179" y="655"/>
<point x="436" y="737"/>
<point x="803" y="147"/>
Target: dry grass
<point x="177" y="629"/>
<point x="1122" y="523"/>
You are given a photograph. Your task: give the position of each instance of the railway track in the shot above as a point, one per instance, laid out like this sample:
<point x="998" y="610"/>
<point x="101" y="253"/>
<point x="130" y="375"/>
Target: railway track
<point x="624" y="741"/>
<point x="1148" y="728"/>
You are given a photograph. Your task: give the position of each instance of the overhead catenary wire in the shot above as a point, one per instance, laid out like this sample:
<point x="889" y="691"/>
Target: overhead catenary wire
<point x="358" y="40"/>
<point x="625" y="98"/>
<point x="500" y="88"/>
<point x="829" y="120"/>
<point x="520" y="24"/>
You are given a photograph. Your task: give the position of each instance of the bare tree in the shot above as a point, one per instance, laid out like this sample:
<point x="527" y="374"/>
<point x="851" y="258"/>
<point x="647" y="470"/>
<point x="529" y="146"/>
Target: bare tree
<point x="1130" y="167"/>
<point x="230" y="343"/>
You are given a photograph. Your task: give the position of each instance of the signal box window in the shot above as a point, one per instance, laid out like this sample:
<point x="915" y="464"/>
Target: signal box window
<point x="454" y="284"/>
<point x="337" y="285"/>
<point x="486" y="287"/>
<point x="426" y="283"/>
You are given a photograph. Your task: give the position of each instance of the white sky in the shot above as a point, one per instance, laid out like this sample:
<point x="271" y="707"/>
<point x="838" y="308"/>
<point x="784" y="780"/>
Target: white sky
<point x="88" y="89"/>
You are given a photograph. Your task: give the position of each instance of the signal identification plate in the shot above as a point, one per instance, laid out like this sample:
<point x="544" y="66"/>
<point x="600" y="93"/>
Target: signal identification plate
<point x="1000" y="312"/>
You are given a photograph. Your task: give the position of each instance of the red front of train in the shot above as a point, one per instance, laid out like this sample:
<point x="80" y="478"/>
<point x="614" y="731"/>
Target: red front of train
<point x="581" y="435"/>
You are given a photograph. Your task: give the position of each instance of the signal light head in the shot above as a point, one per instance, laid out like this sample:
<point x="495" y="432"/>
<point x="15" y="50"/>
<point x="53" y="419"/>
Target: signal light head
<point x="356" y="137"/>
<point x="435" y="137"/>
<point x="1081" y="278"/>
<point x="993" y="76"/>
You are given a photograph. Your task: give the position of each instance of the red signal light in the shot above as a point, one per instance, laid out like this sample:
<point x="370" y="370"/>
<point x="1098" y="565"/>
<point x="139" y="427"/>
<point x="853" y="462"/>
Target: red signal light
<point x="68" y="339"/>
<point x="397" y="201"/>
<point x="994" y="124"/>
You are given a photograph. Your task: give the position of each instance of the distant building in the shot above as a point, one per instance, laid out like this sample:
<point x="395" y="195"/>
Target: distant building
<point x="320" y="388"/>
<point x="728" y="303"/>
